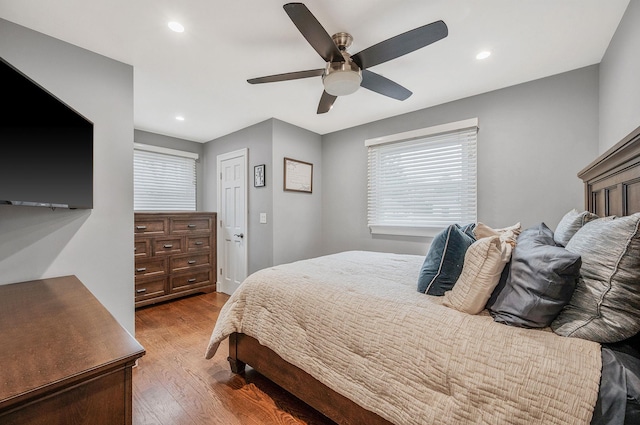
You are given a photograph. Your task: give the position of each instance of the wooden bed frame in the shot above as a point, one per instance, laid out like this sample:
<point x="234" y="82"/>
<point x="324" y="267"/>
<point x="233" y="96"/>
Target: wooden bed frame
<point x="612" y="187"/>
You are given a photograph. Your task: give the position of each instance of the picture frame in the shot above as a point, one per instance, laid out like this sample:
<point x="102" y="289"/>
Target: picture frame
<point x="298" y="175"/>
<point x="259" y="179"/>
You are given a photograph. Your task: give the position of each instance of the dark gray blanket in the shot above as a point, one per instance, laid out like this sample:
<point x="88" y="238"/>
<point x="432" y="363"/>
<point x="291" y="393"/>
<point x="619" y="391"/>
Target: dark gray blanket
<point x="619" y="397"/>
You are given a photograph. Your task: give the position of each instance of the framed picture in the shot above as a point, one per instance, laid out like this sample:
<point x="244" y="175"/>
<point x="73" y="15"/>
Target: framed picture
<point x="258" y="176"/>
<point x="298" y="175"/>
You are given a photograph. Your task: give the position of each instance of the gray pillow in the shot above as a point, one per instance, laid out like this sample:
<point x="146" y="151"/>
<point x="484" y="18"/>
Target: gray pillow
<point x="605" y="306"/>
<point x="540" y="281"/>
<point x="570" y="224"/>
<point x="443" y="263"/>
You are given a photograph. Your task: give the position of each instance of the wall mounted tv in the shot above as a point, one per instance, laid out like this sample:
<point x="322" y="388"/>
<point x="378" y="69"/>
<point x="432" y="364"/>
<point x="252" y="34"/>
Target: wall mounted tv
<point x="46" y="157"/>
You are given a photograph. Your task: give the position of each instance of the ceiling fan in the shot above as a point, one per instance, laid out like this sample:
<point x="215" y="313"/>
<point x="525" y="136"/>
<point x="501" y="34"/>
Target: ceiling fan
<point x="345" y="73"/>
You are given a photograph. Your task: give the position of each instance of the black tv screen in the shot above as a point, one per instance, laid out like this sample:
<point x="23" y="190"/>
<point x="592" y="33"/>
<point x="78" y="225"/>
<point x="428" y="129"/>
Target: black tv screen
<point x="46" y="148"/>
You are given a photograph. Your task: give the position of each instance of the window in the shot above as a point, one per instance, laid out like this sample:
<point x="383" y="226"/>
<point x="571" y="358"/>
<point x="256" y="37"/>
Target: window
<point x="163" y="179"/>
<point x="421" y="181"/>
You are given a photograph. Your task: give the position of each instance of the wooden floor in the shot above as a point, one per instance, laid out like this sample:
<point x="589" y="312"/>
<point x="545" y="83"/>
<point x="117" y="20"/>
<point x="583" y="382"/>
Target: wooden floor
<point x="173" y="384"/>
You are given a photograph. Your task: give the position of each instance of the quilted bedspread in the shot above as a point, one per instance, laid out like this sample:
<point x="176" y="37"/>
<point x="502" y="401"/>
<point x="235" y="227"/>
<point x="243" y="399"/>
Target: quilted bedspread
<point x="355" y="322"/>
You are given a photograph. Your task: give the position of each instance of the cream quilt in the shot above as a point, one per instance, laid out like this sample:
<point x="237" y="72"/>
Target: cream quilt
<point x="355" y="322"/>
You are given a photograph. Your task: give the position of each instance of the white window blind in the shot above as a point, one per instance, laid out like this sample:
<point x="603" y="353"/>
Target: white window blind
<point x="422" y="181"/>
<point x="164" y="179"/>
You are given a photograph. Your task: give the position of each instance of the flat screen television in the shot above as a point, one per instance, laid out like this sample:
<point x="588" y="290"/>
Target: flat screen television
<point x="46" y="148"/>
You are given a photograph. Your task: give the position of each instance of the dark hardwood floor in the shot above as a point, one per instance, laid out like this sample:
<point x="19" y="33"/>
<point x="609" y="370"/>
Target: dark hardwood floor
<point x="174" y="384"/>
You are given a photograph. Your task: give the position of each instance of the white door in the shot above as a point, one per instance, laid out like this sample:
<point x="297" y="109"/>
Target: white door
<point x="232" y="220"/>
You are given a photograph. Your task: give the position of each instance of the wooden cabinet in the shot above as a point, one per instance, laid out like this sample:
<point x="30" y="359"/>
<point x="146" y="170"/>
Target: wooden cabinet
<point x="175" y="255"/>
<point x="65" y="359"/>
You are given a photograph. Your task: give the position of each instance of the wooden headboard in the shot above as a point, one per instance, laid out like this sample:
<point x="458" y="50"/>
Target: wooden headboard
<point x="612" y="181"/>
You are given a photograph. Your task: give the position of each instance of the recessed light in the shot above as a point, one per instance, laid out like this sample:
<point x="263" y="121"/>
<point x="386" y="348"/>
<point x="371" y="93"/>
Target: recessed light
<point x="483" y="55"/>
<point x="180" y="118"/>
<point x="176" y="26"/>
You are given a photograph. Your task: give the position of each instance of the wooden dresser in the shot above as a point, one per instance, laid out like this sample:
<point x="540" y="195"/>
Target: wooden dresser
<point x="65" y="359"/>
<point x="175" y="255"/>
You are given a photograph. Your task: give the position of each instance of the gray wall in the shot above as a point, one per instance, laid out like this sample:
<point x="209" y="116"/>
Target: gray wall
<point x="533" y="140"/>
<point x="95" y="245"/>
<point x="294" y="220"/>
<point x="620" y="81"/>
<point x="148" y="138"/>
<point x="297" y="216"/>
<point x="258" y="139"/>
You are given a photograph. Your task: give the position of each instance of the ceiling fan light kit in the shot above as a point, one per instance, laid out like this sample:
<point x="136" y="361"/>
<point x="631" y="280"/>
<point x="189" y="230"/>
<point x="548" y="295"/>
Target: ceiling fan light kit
<point x="344" y="73"/>
<point x="341" y="78"/>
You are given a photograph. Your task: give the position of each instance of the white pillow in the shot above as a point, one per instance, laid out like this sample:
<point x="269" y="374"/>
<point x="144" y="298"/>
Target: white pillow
<point x="483" y="263"/>
<point x="483" y="231"/>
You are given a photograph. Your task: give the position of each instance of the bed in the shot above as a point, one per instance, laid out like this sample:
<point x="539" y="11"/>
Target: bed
<point x="349" y="335"/>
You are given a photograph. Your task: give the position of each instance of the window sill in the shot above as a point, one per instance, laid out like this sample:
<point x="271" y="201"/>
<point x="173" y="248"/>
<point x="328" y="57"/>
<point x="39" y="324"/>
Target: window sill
<point x="405" y="230"/>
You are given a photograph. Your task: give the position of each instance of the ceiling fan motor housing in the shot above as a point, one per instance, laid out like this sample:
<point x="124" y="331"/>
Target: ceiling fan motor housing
<point x="342" y="78"/>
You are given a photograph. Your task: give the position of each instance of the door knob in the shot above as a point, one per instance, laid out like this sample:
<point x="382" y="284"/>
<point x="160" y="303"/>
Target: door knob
<point x="239" y="235"/>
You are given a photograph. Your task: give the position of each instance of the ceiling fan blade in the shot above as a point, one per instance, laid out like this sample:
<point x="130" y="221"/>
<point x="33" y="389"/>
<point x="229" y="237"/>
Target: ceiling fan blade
<point x="379" y="84"/>
<point x="315" y="34"/>
<point x="286" y="76"/>
<point x="326" y="102"/>
<point x="401" y="44"/>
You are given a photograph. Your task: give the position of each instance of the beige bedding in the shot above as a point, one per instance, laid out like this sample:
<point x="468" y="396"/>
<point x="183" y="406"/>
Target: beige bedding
<point x="355" y="322"/>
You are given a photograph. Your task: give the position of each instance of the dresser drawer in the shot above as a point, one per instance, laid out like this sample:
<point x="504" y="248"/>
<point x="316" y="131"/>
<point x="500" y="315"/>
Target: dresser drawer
<point x="185" y="262"/>
<point x="191" y="280"/>
<point x="168" y="245"/>
<point x="142" y="248"/>
<point x="190" y="224"/>
<point x="150" y="288"/>
<point x="198" y="243"/>
<point x="150" y="226"/>
<point x="151" y="267"/>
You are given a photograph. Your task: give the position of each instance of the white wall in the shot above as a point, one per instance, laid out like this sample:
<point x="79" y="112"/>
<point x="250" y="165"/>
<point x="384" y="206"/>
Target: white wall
<point x="294" y="220"/>
<point x="258" y="139"/>
<point x="533" y="140"/>
<point x="620" y="81"/>
<point x="95" y="245"/>
<point x="297" y="216"/>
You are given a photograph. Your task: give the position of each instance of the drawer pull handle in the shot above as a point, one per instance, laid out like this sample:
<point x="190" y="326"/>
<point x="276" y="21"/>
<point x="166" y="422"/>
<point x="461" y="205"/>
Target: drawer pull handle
<point x="193" y="279"/>
<point x="199" y="242"/>
<point x="141" y="227"/>
<point x="135" y="249"/>
<point x="141" y="269"/>
<point x="191" y="226"/>
<point x="191" y="262"/>
<point x="168" y="245"/>
<point x="141" y="291"/>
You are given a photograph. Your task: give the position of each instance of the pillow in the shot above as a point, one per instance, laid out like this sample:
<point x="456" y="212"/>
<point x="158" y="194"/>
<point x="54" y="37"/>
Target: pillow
<point x="570" y="224"/>
<point x="445" y="258"/>
<point x="540" y="281"/>
<point x="605" y="306"/>
<point x="483" y="231"/>
<point x="483" y="265"/>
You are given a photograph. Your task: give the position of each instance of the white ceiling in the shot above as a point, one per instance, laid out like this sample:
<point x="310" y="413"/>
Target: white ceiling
<point x="201" y="74"/>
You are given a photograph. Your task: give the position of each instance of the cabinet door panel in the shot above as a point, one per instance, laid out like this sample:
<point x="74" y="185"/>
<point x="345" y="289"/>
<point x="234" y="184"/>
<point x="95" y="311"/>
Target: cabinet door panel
<point x="198" y="243"/>
<point x="150" y="226"/>
<point x="190" y="224"/>
<point x="151" y="267"/>
<point x="167" y="245"/>
<point x="150" y="288"/>
<point x="142" y="248"/>
<point x="186" y="262"/>
<point x="190" y="281"/>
